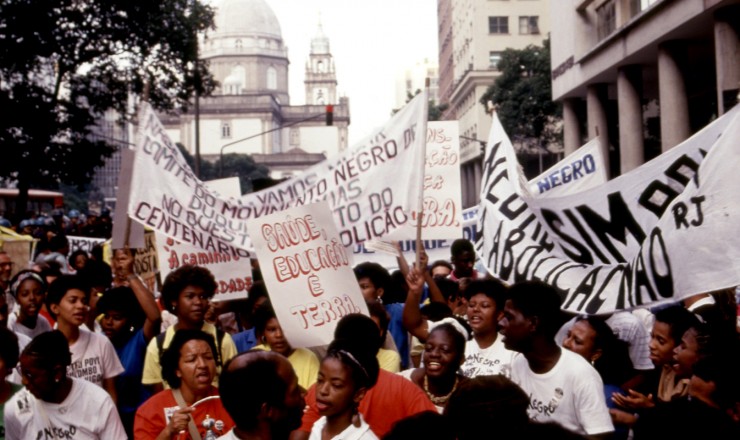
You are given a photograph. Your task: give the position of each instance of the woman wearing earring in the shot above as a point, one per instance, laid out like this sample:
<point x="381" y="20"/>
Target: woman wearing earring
<point x="130" y="320"/>
<point x="346" y="374"/>
<point x="52" y="402"/>
<point x="444" y="353"/>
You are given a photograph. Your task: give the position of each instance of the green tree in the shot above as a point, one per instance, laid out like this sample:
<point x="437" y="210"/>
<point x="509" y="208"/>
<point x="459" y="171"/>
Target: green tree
<point x="522" y="95"/>
<point x="63" y="63"/>
<point x="234" y="165"/>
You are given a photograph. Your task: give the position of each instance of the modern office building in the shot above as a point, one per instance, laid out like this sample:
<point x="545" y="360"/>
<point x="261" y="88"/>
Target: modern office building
<point x="643" y="74"/>
<point x="472" y="36"/>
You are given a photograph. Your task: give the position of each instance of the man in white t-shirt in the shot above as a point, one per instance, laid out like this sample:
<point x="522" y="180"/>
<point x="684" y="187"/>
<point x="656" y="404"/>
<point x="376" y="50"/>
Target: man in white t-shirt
<point x="562" y="386"/>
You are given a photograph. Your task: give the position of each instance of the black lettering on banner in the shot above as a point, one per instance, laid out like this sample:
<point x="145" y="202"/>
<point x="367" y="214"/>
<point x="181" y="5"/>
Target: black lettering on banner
<point x="600" y="297"/>
<point x="642" y="283"/>
<point x="584" y="290"/>
<point x="578" y="253"/>
<point x="620" y="221"/>
<point x="656" y="197"/>
<point x="586" y="237"/>
<point x="683" y="169"/>
<point x="680" y="211"/>
<point x="660" y="265"/>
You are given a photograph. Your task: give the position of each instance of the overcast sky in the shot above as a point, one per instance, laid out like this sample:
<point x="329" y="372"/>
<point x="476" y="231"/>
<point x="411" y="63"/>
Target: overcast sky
<point x="371" y="41"/>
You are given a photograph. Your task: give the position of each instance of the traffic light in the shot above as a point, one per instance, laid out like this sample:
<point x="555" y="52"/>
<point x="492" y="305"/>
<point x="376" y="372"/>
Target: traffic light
<point x="329" y="115"/>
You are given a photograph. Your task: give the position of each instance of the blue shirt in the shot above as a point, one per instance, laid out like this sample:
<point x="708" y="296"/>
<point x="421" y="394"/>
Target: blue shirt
<point x="245" y="340"/>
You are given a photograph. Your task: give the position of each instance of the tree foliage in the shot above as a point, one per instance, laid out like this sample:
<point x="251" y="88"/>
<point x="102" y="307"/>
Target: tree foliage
<point x="64" y="63"/>
<point x="522" y="95"/>
<point x="234" y="165"/>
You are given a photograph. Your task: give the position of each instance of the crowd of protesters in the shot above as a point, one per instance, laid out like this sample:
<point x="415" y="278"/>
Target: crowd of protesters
<point x="448" y="352"/>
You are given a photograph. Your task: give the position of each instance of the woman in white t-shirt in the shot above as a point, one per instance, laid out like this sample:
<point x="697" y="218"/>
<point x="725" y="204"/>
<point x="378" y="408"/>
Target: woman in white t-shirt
<point x="53" y="402"/>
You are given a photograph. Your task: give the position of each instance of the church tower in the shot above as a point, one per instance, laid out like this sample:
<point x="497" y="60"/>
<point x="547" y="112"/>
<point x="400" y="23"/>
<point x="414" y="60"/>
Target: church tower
<point x="321" y="78"/>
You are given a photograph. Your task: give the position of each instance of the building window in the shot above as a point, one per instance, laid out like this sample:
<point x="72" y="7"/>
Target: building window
<point x="606" y="19"/>
<point x="271" y="78"/>
<point x="295" y="137"/>
<point x="493" y="59"/>
<point x="225" y="130"/>
<point x="238" y="44"/>
<point x="529" y="25"/>
<point x="498" y="25"/>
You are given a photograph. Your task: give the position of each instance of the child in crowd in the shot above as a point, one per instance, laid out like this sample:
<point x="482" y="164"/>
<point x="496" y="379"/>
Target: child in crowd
<point x="29" y="291"/>
<point x="93" y="356"/>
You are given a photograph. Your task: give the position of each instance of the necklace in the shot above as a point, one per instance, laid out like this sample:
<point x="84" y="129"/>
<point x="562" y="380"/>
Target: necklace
<point x="441" y="400"/>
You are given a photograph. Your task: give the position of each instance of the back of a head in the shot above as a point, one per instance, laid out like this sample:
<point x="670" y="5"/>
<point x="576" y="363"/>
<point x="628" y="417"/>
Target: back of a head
<point x="247" y="382"/>
<point x="49" y="349"/>
<point x="8" y="348"/>
<point x="97" y="274"/>
<point x="485" y="403"/>
<point x="360" y="330"/>
<point x="424" y="425"/>
<point x="361" y="362"/>
<point x="535" y="298"/>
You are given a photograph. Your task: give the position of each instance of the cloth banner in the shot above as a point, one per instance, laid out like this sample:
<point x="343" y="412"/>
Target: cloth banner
<point x="583" y="169"/>
<point x="442" y="218"/>
<point x="435" y="249"/>
<point x="233" y="274"/>
<point x="372" y="188"/>
<point x="307" y="271"/>
<point x="658" y="234"/>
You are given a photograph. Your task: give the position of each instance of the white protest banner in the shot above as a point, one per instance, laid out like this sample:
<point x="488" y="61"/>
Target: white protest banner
<point x="657" y="234"/>
<point x="233" y="274"/>
<point x="226" y="188"/>
<point x="83" y="243"/>
<point x="442" y="218"/>
<point x="583" y="169"/>
<point x="307" y="271"/>
<point x="435" y="249"/>
<point x="167" y="197"/>
<point x="371" y="188"/>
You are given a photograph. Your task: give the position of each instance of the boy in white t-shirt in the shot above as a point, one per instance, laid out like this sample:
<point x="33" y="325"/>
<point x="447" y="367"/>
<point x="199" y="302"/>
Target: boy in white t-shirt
<point x="562" y="386"/>
<point x="94" y="358"/>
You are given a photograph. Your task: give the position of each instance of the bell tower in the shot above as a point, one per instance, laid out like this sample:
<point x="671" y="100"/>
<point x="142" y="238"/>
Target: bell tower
<point x="321" y="78"/>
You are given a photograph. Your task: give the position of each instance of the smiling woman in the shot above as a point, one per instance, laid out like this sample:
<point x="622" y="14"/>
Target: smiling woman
<point x="444" y="353"/>
<point x="189" y="366"/>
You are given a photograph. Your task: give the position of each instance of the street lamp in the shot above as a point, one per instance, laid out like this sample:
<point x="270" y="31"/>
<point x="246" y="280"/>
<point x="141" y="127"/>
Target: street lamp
<point x="329" y="114"/>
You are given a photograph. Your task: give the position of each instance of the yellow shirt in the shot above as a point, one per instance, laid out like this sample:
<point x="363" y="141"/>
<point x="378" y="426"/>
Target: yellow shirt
<point x="304" y="362"/>
<point x="389" y="360"/>
<point x="152" y="373"/>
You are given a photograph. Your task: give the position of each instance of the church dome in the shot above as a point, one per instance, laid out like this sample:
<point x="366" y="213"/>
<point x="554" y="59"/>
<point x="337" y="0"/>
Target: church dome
<point x="246" y="18"/>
